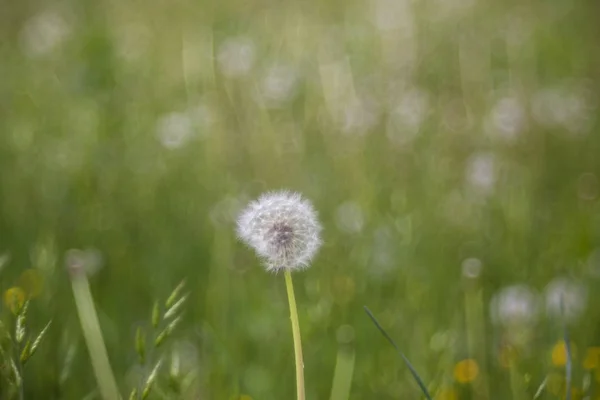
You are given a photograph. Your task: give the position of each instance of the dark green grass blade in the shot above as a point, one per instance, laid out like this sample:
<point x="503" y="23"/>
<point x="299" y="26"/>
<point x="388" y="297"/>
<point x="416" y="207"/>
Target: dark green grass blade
<point x="408" y="364"/>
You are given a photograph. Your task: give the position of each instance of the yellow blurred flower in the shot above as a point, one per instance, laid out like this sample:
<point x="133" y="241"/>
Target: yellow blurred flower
<point x="32" y="282"/>
<point x="446" y="394"/>
<point x="466" y="371"/>
<point x="592" y="358"/>
<point x="14" y="298"/>
<point x="559" y="353"/>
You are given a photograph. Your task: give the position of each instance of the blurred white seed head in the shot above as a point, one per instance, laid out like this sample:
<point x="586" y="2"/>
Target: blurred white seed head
<point x="515" y="306"/>
<point x="566" y="299"/>
<point x="481" y="172"/>
<point x="283" y="229"/>
<point x="471" y="268"/>
<point x="43" y="33"/>
<point x="407" y="116"/>
<point x="278" y="86"/>
<point x="349" y="217"/>
<point x="568" y="106"/>
<point x="507" y="119"/>
<point x="174" y="130"/>
<point x="87" y="261"/>
<point x="236" y="56"/>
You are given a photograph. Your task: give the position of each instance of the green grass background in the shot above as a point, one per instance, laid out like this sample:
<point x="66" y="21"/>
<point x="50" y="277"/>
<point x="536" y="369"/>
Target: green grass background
<point x="82" y="165"/>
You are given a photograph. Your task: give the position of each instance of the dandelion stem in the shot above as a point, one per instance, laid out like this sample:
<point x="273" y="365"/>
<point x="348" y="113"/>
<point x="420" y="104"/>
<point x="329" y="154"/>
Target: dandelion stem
<point x="90" y="325"/>
<point x="296" y="335"/>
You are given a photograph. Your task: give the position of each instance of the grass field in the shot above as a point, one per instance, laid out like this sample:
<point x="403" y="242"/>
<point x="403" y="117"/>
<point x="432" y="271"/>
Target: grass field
<point x="451" y="149"/>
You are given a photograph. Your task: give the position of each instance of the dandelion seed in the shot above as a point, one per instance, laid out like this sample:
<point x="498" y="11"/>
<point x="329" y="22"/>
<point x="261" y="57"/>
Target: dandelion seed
<point x="282" y="228"/>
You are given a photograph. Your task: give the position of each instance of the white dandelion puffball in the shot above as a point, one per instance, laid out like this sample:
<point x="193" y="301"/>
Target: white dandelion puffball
<point x="283" y="229"/>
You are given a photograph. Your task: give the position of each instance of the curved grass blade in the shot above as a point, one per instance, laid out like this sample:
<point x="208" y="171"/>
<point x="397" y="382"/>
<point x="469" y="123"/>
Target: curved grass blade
<point x="408" y="364"/>
<point x="540" y="390"/>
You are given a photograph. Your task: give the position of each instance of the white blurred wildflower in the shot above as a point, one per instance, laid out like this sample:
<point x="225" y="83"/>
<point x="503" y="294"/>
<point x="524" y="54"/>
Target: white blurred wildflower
<point x="174" y="129"/>
<point x="278" y="86"/>
<point x="566" y="298"/>
<point x="349" y="217"/>
<point x="481" y="172"/>
<point x="506" y="119"/>
<point x="471" y="268"/>
<point x="283" y="229"/>
<point x="406" y="116"/>
<point x="567" y="107"/>
<point x="88" y="261"/>
<point x="515" y="305"/>
<point x="236" y="56"/>
<point x="43" y="33"/>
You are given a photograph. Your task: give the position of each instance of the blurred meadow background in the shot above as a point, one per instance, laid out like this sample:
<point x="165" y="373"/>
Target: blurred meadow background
<point x="451" y="148"/>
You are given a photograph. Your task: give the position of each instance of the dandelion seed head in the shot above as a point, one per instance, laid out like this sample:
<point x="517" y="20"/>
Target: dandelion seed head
<point x="566" y="299"/>
<point x="283" y="229"/>
<point x="515" y="305"/>
<point x="236" y="56"/>
<point x="43" y="33"/>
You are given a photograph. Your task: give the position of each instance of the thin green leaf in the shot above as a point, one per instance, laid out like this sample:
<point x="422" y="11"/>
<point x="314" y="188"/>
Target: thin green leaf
<point x="150" y="380"/>
<point x="39" y="338"/>
<point x="408" y="364"/>
<point x="540" y="390"/>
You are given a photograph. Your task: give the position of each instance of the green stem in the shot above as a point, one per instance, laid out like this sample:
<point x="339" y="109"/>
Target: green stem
<point x="93" y="337"/>
<point x="296" y="335"/>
